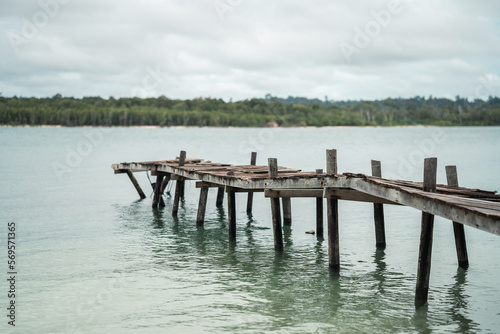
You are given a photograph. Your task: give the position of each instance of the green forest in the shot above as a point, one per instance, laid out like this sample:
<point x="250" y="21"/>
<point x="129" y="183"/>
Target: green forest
<point x="267" y="111"/>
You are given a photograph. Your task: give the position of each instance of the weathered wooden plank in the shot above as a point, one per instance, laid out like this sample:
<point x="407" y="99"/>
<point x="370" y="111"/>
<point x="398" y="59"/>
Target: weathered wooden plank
<point x="333" y="234"/>
<point x="427" y="227"/>
<point x="331" y="161"/>
<point x="354" y="195"/>
<point x="220" y="197"/>
<point x="275" y="208"/>
<point x="458" y="229"/>
<point x="157" y="191"/>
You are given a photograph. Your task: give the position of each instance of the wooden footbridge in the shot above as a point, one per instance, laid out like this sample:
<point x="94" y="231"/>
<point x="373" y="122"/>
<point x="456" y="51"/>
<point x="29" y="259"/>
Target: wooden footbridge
<point x="473" y="207"/>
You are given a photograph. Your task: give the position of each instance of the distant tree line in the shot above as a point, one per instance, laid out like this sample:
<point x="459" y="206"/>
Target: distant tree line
<point x="292" y="111"/>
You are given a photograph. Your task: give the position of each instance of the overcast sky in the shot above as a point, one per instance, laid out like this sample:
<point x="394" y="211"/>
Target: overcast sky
<point x="241" y="49"/>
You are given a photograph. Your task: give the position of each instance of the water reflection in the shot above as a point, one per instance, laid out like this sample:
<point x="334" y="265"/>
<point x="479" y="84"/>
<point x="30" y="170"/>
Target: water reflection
<point x="459" y="303"/>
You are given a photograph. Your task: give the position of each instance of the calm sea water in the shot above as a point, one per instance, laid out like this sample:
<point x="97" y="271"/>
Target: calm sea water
<point x="92" y="258"/>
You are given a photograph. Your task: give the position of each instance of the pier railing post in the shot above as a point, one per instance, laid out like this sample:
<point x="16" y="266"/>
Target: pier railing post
<point x="253" y="162"/>
<point x="319" y="212"/>
<point x="378" y="210"/>
<point x="275" y="207"/>
<point x="425" y="249"/>
<point x="333" y="215"/>
<point x="179" y="186"/>
<point x="458" y="229"/>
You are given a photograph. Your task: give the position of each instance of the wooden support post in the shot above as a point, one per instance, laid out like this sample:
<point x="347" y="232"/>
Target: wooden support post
<point x="202" y="206"/>
<point x="378" y="210"/>
<point x="425" y="250"/>
<point x="319" y="212"/>
<point x="331" y="162"/>
<point x="275" y="207"/>
<point x="179" y="186"/>
<point x="220" y="197"/>
<point x="182" y="183"/>
<point x="333" y="215"/>
<point x="458" y="229"/>
<point x="136" y="184"/>
<point x="157" y="194"/>
<point x="287" y="211"/>
<point x="231" y="208"/>
<point x="253" y="162"/>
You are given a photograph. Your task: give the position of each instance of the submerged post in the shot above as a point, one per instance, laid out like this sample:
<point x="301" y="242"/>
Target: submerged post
<point x="378" y="210"/>
<point x="333" y="215"/>
<point x="136" y="184"/>
<point x="202" y="206"/>
<point x="179" y="186"/>
<point x="220" y="197"/>
<point x="425" y="250"/>
<point x="458" y="229"/>
<point x="287" y="211"/>
<point x="275" y="207"/>
<point x="319" y="212"/>
<point x="231" y="208"/>
<point x="157" y="191"/>
<point x="253" y="162"/>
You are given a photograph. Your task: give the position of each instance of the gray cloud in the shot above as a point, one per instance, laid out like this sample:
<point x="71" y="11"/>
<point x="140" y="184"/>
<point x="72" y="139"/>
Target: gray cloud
<point x="185" y="49"/>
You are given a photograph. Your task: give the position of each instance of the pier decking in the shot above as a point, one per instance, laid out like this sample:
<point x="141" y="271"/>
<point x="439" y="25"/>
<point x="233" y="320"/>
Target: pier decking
<point x="473" y="207"/>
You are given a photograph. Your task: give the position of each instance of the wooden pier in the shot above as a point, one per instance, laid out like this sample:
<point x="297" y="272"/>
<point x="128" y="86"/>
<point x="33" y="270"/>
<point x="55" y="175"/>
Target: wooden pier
<point x="463" y="206"/>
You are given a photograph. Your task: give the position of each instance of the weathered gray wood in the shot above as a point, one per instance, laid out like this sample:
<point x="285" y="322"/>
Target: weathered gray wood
<point x="202" y="206"/>
<point x="331" y="161"/>
<point x="272" y="168"/>
<point x="287" y="211"/>
<point x="181" y="182"/>
<point x="275" y="207"/>
<point x="458" y="229"/>
<point x="253" y="162"/>
<point x="319" y="217"/>
<point x="277" y="227"/>
<point x="378" y="210"/>
<point x="177" y="196"/>
<point x="231" y="208"/>
<point x="333" y="234"/>
<point x="425" y="249"/>
<point x="136" y="184"/>
<point x="157" y="191"/>
<point x="220" y="197"/>
<point x="354" y="195"/>
<point x="319" y="211"/>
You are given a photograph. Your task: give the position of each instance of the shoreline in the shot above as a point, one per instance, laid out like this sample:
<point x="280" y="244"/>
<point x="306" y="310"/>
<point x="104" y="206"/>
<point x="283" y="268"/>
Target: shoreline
<point x="241" y="127"/>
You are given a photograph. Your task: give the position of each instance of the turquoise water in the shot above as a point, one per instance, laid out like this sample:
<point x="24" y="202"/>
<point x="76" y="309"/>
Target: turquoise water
<point x="92" y="258"/>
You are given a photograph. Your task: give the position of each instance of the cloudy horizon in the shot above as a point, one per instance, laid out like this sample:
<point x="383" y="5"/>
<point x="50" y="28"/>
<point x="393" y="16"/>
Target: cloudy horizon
<point x="240" y="49"/>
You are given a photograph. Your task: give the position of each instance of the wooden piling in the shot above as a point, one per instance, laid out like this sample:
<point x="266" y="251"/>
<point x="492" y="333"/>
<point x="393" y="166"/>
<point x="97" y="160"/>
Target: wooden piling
<point x="378" y="210"/>
<point x="179" y="186"/>
<point x="427" y="227"/>
<point x="157" y="191"/>
<point x="275" y="207"/>
<point x="253" y="162"/>
<point x="319" y="212"/>
<point x="332" y="215"/>
<point x="220" y="197"/>
<point x="202" y="206"/>
<point x="231" y="208"/>
<point x="287" y="211"/>
<point x="458" y="229"/>
<point x="136" y="184"/>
